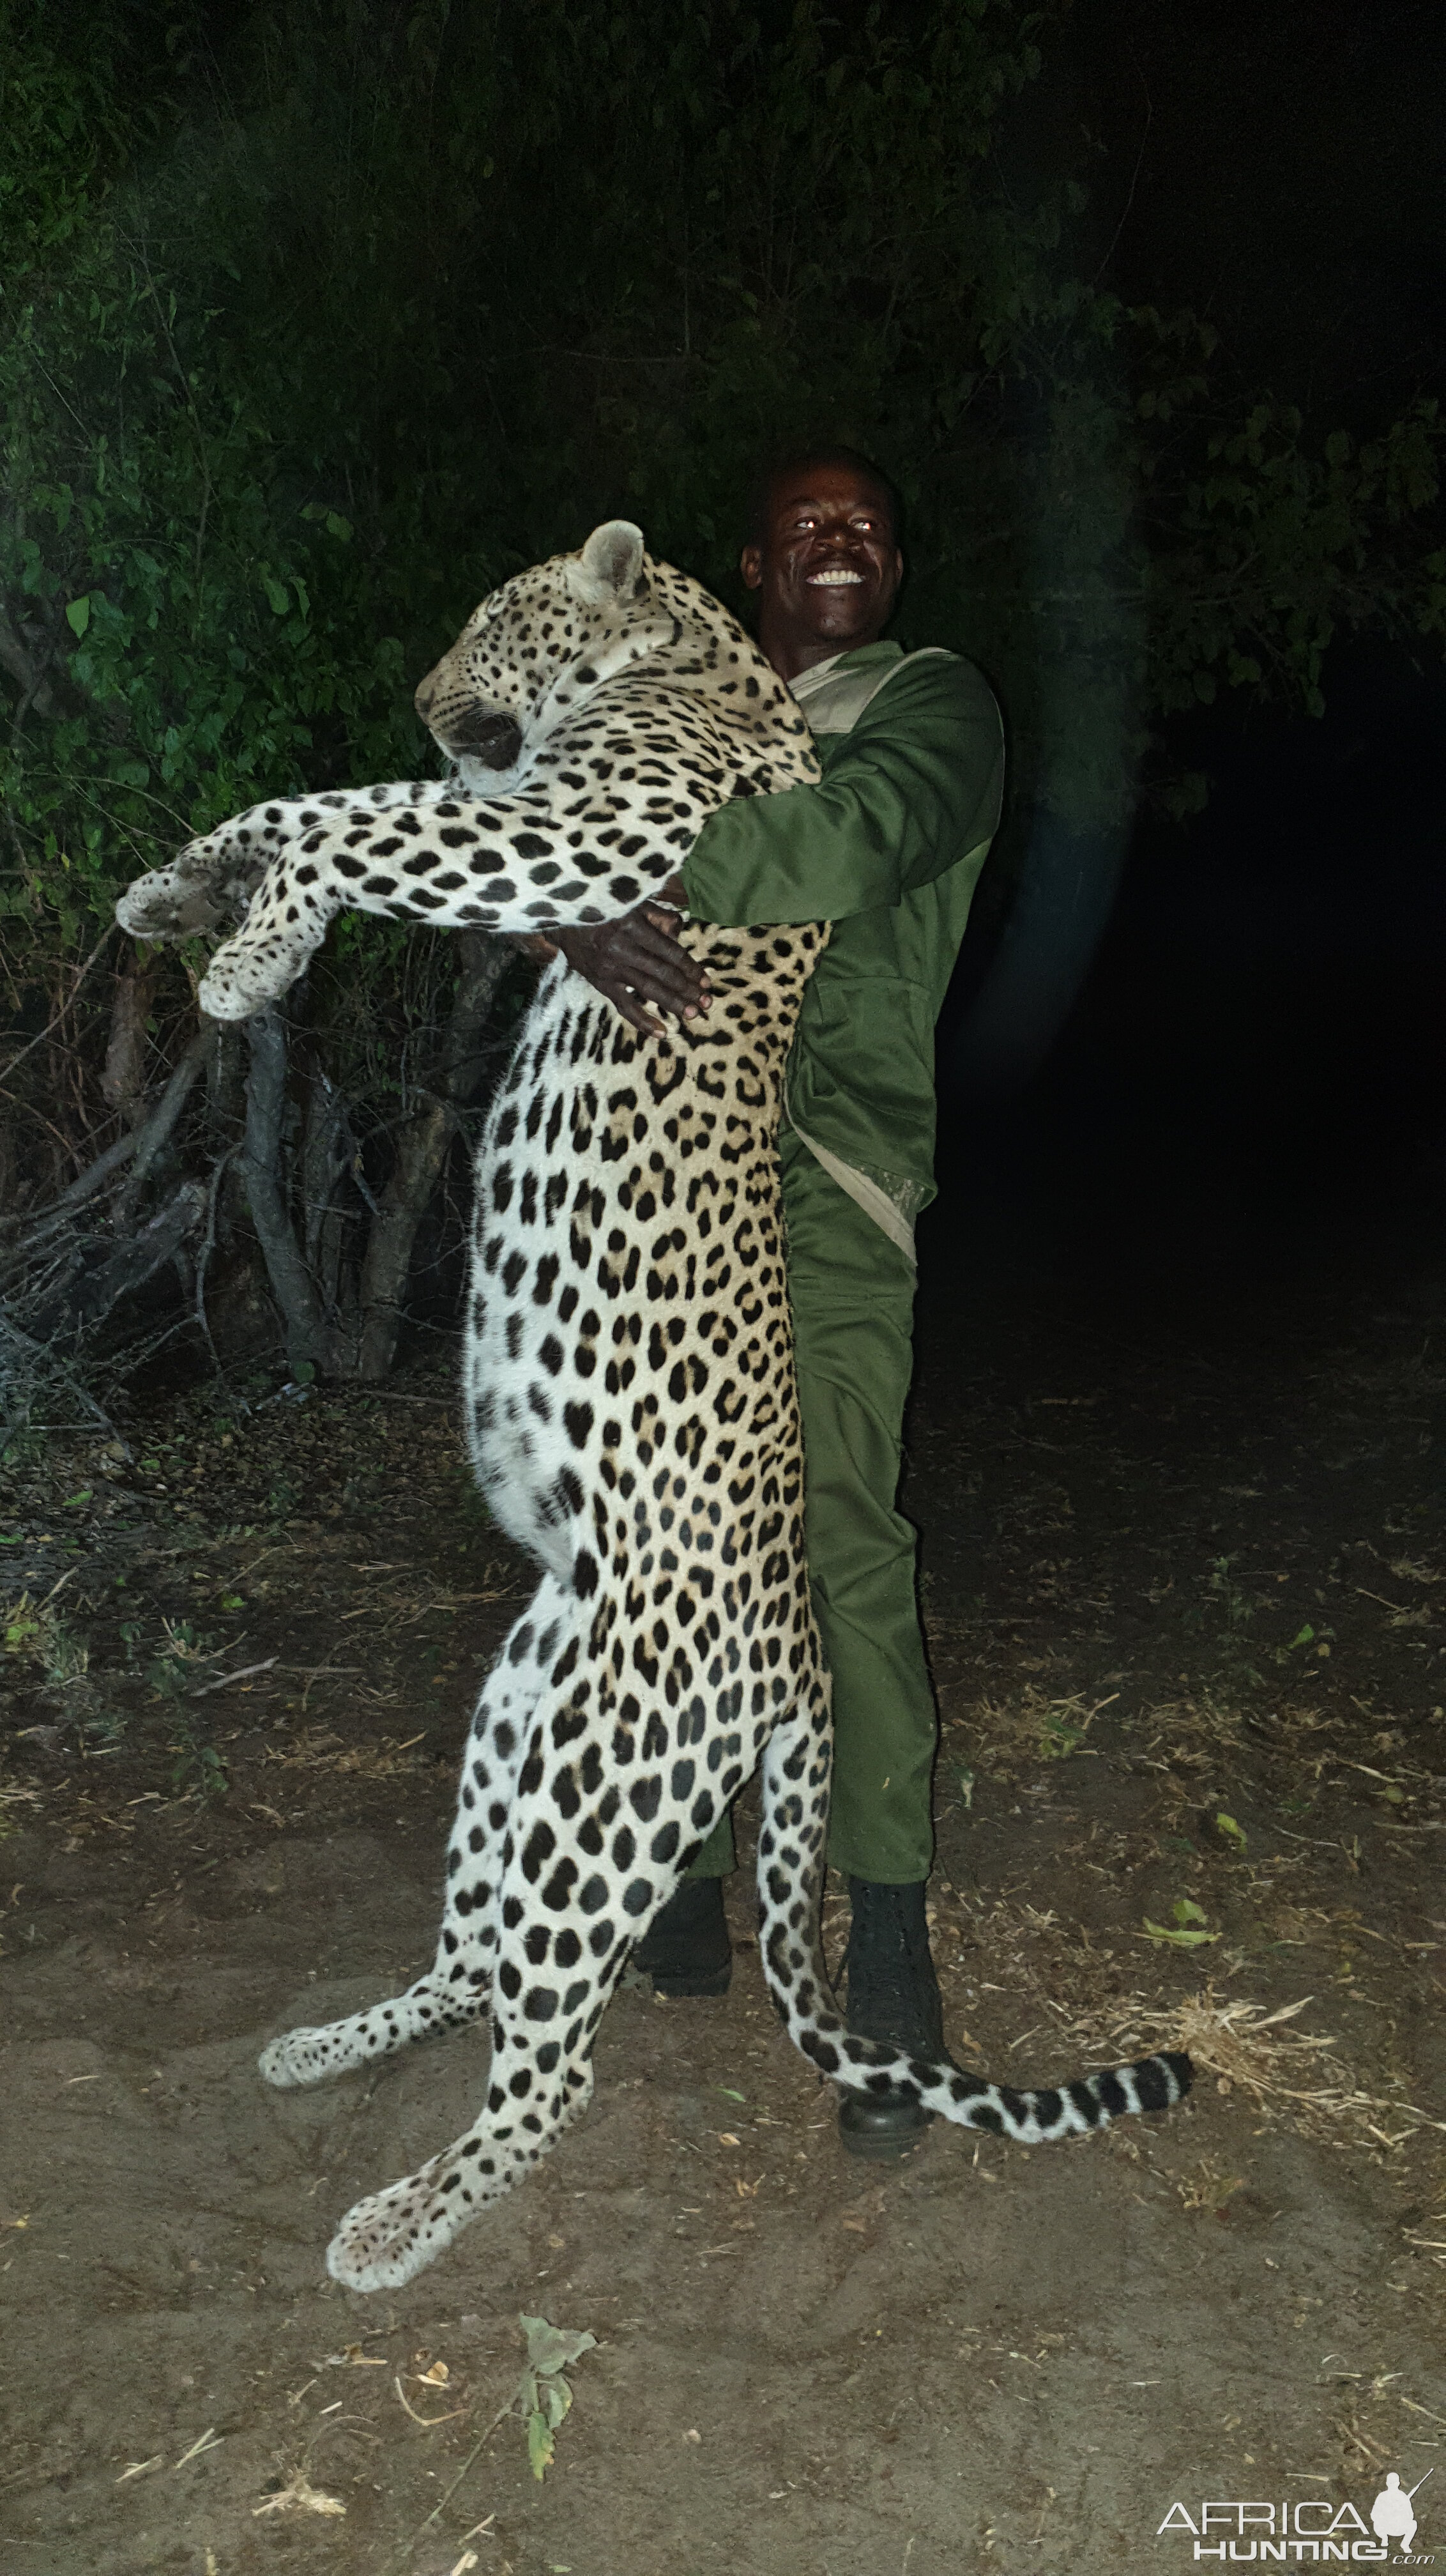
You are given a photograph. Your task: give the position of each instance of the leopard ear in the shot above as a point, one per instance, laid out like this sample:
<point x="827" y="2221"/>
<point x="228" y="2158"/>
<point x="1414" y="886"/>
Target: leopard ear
<point x="609" y="569"/>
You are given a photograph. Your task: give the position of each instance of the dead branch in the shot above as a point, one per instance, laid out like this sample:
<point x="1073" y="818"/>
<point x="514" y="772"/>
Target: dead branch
<point x="156" y="1134"/>
<point x="420" y="1152"/>
<point x="123" y="1078"/>
<point x="92" y="1292"/>
<point x="307" y="1337"/>
<point x="25" y="1235"/>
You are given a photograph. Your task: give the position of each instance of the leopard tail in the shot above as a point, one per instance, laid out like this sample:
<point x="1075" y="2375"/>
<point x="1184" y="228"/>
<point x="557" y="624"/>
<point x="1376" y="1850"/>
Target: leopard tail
<point x="796" y="1768"/>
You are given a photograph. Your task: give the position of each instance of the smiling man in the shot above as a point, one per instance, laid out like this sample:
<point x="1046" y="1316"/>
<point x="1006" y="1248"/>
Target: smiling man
<point x="888" y="847"/>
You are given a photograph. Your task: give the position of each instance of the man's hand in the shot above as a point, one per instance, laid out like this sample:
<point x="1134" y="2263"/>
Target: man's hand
<point x="636" y="961"/>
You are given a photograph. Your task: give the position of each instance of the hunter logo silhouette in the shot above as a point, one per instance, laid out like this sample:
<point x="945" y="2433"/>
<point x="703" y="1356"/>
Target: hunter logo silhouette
<point x="1391" y="2514"/>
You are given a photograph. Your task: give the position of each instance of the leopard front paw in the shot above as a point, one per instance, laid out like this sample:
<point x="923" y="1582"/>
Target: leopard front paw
<point x="203" y="888"/>
<point x="254" y="969"/>
<point x="169" y="903"/>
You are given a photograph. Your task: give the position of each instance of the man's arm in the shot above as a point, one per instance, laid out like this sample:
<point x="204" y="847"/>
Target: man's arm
<point x="916" y="790"/>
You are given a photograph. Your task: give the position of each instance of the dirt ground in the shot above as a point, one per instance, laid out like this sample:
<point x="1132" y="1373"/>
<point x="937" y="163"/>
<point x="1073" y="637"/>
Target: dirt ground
<point x="1185" y="1585"/>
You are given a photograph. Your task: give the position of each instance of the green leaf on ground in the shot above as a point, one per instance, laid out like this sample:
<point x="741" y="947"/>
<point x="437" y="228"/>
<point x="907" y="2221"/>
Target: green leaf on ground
<point x="542" y="2396"/>
<point x="1185" y="1934"/>
<point x="552" y="2347"/>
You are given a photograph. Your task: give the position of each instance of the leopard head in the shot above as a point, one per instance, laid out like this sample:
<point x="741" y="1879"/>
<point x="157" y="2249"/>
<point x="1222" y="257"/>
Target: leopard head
<point x="537" y="648"/>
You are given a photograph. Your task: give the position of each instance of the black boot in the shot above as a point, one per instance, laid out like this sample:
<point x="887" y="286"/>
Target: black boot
<point x="893" y="1996"/>
<point x="685" y="1949"/>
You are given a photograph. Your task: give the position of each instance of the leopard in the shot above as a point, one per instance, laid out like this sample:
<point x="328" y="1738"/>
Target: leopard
<point x="629" y="1392"/>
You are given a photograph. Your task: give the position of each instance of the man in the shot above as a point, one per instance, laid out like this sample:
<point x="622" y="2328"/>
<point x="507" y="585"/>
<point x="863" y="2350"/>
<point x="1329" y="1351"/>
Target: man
<point x="889" y="848"/>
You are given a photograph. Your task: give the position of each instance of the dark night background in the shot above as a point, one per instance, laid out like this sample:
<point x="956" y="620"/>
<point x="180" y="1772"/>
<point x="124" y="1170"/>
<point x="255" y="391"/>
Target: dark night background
<point x="1254" y="1079"/>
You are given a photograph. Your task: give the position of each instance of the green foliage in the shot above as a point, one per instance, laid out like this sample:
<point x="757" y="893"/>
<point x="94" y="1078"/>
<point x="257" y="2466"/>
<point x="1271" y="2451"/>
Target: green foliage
<point x="543" y="2396"/>
<point x="198" y="1768"/>
<point x="37" y="1632"/>
<point x="1186" y="1931"/>
<point x="192" y="633"/>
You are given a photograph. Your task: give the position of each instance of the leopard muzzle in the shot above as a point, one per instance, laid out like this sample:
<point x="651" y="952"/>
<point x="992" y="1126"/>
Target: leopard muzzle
<point x="488" y="736"/>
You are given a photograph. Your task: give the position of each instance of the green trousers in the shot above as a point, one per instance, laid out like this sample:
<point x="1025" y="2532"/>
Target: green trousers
<point x="853" y="1299"/>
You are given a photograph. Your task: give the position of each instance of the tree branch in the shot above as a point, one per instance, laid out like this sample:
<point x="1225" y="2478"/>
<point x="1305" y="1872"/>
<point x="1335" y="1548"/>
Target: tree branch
<point x="92" y="1294"/>
<point x="420" y="1152"/>
<point x="307" y="1337"/>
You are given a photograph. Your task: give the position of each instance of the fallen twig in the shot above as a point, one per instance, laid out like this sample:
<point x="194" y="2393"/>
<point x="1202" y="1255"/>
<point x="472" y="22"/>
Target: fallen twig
<point x="225" y="1679"/>
<point x="426" y="2421"/>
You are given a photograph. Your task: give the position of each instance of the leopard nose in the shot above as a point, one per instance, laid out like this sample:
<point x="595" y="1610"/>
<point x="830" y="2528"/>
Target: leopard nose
<point x="426" y="692"/>
<point x="493" y="740"/>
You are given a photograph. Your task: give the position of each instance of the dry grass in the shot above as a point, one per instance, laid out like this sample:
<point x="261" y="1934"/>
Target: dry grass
<point x="1013" y="1735"/>
<point x="36" y="1633"/>
<point x="1286" y="2072"/>
<point x="14" y="1796"/>
<point x="1196" y="1732"/>
<point x="1065" y="2002"/>
<point x="299" y="2496"/>
<point x="317" y="1748"/>
<point x="1209" y="2186"/>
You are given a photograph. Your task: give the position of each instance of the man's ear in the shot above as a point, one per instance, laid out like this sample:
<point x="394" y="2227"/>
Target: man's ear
<point x="750" y="564"/>
<point x="609" y="569"/>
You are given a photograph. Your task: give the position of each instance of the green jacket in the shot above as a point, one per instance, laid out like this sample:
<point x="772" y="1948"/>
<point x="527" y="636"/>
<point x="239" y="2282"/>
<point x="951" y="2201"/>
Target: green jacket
<point x="888" y="847"/>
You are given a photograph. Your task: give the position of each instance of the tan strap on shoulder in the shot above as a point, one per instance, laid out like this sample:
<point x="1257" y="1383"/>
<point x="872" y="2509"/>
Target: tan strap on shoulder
<point x="833" y="700"/>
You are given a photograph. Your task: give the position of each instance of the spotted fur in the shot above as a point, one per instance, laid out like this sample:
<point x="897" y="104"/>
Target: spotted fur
<point x="628" y="1372"/>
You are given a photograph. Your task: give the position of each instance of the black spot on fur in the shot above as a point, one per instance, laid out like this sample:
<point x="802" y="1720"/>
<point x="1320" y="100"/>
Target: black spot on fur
<point x="540" y="1845"/>
<point x="557" y="1894"/>
<point x="644" y="1797"/>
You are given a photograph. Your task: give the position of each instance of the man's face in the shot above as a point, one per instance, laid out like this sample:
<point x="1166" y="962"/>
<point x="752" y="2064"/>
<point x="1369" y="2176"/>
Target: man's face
<point x="828" y="569"/>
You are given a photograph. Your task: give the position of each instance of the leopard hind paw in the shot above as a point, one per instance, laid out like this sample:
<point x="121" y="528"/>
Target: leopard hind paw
<point x="391" y="2236"/>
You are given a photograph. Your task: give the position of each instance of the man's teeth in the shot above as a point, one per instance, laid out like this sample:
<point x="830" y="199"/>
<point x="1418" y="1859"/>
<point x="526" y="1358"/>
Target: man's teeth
<point x="832" y="580"/>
